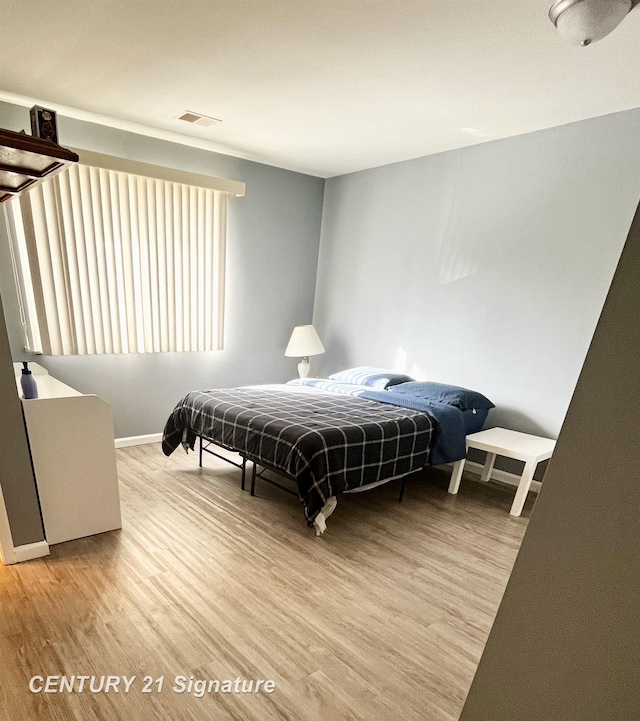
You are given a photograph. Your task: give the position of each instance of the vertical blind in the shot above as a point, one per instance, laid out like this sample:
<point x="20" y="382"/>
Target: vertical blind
<point x="111" y="262"/>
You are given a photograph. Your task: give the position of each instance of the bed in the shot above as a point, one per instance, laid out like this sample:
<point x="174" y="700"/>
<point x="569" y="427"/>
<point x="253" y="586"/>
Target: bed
<point x="349" y="432"/>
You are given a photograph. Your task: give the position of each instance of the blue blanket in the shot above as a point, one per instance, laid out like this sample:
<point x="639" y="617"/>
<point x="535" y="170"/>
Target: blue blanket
<point x="449" y="442"/>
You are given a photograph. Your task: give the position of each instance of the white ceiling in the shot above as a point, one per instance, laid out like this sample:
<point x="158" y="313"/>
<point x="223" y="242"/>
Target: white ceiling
<point x="321" y="86"/>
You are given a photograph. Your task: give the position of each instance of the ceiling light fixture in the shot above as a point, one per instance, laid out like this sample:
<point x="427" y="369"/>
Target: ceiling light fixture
<point x="582" y="22"/>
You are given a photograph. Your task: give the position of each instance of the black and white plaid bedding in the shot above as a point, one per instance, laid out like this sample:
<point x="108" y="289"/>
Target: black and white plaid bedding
<point x="327" y="442"/>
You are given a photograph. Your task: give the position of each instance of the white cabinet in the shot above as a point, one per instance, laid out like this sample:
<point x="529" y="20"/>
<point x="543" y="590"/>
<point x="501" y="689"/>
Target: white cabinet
<point x="71" y="441"/>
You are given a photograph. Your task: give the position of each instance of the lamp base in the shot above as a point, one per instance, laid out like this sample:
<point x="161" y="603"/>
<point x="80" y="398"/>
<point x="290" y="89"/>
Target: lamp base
<point x="303" y="368"/>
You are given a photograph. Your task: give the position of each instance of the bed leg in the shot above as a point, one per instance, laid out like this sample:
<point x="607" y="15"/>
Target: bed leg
<point x="244" y="471"/>
<point x="402" y="489"/>
<point x="200" y="460"/>
<point x="253" y="479"/>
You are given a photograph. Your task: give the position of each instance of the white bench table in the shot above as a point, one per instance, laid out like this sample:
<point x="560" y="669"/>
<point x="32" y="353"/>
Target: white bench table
<point x="512" y="444"/>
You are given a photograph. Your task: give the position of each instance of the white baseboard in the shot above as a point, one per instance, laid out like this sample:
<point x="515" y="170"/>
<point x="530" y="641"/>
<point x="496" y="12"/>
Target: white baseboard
<point x="472" y="467"/>
<point x="497" y="475"/>
<point x="138" y="440"/>
<point x="31" y="550"/>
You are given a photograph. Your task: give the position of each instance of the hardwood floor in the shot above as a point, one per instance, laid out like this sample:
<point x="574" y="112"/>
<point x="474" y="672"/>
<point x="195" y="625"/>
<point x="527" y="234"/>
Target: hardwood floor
<point x="383" y="618"/>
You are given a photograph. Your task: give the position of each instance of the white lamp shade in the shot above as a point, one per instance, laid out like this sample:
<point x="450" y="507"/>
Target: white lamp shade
<point x="304" y="342"/>
<point x="583" y="22"/>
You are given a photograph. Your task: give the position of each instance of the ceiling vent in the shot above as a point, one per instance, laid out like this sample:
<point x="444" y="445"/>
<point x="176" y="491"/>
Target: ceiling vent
<point x="205" y="121"/>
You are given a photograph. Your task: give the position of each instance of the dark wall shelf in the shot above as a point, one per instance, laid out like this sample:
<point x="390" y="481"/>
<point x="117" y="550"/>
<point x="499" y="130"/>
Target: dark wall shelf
<point x="25" y="161"/>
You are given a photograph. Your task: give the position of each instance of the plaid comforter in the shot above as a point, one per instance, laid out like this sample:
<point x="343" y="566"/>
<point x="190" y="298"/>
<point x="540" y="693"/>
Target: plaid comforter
<point x="327" y="442"/>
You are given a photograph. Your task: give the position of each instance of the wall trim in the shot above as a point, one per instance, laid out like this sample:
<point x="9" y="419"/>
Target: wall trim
<point x="510" y="479"/>
<point x="7" y="550"/>
<point x="31" y="550"/>
<point x="138" y="440"/>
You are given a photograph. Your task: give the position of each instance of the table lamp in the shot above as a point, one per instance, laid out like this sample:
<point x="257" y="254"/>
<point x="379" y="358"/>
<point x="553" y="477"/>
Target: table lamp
<point x="304" y="342"/>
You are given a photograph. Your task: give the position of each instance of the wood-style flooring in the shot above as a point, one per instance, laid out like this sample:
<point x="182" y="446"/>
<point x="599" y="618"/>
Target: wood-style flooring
<point x="383" y="618"/>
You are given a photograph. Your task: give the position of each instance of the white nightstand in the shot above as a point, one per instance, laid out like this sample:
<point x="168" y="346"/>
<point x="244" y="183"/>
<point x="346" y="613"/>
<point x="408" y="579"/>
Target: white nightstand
<point x="503" y="442"/>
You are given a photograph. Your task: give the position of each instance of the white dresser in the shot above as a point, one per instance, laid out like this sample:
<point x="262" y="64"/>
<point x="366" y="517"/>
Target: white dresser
<point x="71" y="442"/>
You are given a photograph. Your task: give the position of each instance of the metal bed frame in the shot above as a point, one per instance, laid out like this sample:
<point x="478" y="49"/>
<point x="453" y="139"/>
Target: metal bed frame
<point x="255" y="465"/>
<point x="207" y="449"/>
<point x="243" y="466"/>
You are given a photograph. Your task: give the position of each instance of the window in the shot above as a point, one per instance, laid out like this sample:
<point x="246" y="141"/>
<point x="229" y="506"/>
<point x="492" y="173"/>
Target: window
<point x="108" y="261"/>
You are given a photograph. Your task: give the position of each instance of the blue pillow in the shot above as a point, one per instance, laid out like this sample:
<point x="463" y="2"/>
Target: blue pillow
<point x="379" y="378"/>
<point x="461" y="398"/>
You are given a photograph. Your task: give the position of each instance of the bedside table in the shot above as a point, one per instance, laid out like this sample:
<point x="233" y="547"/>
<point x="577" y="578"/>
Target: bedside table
<point x="512" y="444"/>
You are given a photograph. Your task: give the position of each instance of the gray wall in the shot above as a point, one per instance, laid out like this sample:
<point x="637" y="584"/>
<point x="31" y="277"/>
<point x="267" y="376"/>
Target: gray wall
<point x="16" y="472"/>
<point x="565" y="641"/>
<point x="485" y="267"/>
<point x="273" y="237"/>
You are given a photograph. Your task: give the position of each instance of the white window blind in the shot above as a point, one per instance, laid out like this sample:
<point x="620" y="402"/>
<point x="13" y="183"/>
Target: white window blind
<point x="112" y="262"/>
